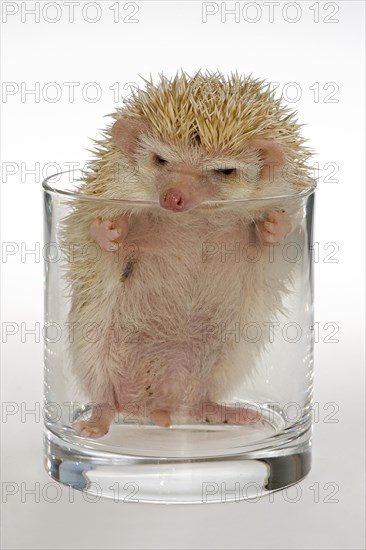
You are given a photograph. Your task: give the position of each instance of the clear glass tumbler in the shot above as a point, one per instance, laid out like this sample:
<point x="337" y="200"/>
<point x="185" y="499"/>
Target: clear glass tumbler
<point x="232" y="362"/>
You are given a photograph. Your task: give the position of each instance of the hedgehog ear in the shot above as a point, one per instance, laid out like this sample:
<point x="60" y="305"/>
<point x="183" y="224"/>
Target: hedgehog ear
<point x="126" y="133"/>
<point x="271" y="156"/>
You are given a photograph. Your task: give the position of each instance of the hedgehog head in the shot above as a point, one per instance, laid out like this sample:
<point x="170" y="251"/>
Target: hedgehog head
<point x="202" y="138"/>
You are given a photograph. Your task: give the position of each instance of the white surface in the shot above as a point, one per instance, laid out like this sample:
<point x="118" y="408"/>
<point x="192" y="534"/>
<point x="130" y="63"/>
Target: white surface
<point x="166" y="37"/>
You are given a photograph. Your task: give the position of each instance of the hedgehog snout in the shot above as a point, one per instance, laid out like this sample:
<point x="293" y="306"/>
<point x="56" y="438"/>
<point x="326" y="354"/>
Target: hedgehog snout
<point x="173" y="199"/>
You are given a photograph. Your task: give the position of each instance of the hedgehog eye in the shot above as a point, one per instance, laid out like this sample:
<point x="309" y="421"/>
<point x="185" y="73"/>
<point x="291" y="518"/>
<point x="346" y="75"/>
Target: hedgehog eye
<point x="225" y="171"/>
<point x="160" y="160"/>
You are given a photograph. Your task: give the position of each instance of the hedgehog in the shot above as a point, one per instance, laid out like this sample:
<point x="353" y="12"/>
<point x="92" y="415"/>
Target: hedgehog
<point x="188" y="167"/>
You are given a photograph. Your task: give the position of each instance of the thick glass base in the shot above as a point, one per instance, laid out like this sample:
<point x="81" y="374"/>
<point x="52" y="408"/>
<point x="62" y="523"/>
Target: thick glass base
<point x="179" y="480"/>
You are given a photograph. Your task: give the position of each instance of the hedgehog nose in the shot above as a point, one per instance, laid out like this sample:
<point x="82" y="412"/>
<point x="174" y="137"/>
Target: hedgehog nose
<point x="173" y="199"/>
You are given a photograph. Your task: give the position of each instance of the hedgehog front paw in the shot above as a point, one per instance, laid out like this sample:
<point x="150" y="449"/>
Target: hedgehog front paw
<point x="109" y="234"/>
<point x="276" y="226"/>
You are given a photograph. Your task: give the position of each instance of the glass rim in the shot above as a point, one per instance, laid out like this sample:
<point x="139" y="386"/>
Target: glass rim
<point x="54" y="190"/>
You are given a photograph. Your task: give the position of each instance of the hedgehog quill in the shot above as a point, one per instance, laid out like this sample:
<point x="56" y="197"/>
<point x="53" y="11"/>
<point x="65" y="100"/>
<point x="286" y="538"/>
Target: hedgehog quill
<point x="184" y="167"/>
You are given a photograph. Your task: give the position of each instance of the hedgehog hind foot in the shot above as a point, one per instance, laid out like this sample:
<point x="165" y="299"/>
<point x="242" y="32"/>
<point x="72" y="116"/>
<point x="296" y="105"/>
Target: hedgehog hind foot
<point x="98" y="424"/>
<point x="161" y="417"/>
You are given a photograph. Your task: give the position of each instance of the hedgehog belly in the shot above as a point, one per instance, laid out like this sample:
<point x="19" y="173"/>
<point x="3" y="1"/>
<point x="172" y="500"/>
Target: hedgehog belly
<point x="169" y="322"/>
<point x="171" y="313"/>
<point x="172" y="377"/>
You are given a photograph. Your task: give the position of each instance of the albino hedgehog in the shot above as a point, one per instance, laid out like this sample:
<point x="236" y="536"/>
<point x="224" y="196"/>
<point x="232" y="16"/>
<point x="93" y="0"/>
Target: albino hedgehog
<point x="181" y="154"/>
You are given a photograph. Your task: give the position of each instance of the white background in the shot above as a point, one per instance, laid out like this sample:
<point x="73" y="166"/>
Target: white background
<point x="322" y="53"/>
